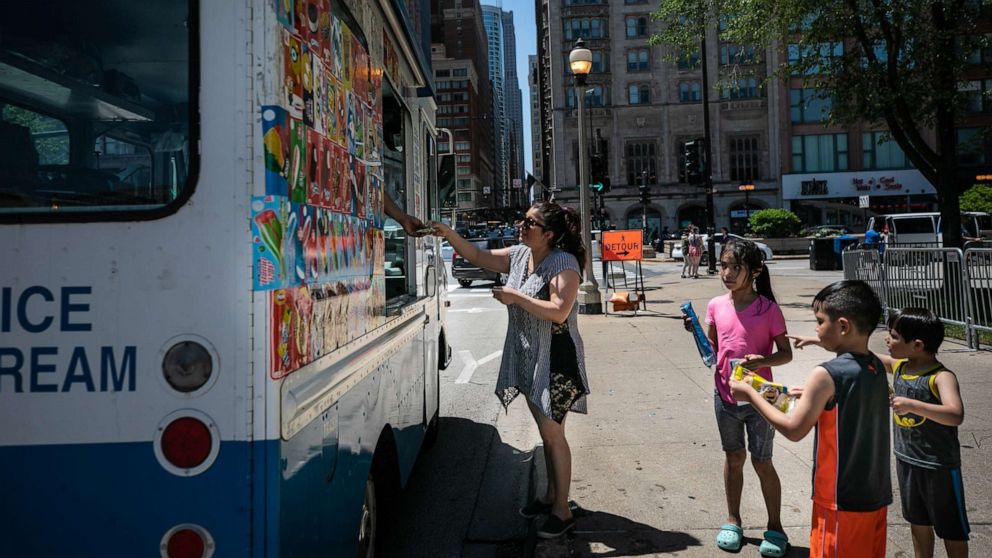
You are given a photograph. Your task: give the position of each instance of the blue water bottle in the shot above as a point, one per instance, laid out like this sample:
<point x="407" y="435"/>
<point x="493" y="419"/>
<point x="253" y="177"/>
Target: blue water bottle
<point x="702" y="342"/>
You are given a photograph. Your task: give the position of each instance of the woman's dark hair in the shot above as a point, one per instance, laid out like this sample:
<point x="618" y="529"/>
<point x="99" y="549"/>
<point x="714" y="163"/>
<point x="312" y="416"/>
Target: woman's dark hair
<point x="748" y="254"/>
<point x="565" y="225"/>
<point x="918" y="323"/>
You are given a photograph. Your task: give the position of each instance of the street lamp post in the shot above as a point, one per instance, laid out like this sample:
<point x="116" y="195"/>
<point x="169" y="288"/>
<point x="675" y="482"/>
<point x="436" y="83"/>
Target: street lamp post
<point x="644" y="206"/>
<point x="746" y="188"/>
<point x="580" y="60"/>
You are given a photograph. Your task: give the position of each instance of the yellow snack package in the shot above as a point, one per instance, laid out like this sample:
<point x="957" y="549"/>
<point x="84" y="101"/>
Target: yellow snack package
<point x="776" y="394"/>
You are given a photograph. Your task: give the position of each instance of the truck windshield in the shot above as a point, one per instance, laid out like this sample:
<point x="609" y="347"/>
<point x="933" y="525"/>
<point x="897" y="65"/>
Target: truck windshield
<point x="94" y="106"/>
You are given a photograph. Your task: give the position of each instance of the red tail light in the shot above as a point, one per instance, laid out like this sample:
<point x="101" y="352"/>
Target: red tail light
<point x="187" y="541"/>
<point x="186" y="442"/>
<point x="453" y="256"/>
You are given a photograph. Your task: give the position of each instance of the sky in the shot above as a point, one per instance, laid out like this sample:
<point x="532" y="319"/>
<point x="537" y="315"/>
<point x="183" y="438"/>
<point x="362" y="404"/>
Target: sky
<point x="526" y="30"/>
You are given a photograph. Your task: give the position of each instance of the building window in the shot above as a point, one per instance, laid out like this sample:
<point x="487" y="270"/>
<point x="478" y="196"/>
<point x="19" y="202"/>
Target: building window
<point x="587" y="28"/>
<point x="583" y="2"/>
<point x="688" y="61"/>
<point x="974" y="146"/>
<point x="465" y="196"/>
<point x="741" y="89"/>
<point x="637" y="26"/>
<point x="638" y="94"/>
<point x="464" y="183"/>
<point x="976" y="96"/>
<point x="442" y="73"/>
<point x="738" y="54"/>
<point x="642" y="162"/>
<point x="596" y="97"/>
<point x="464" y="170"/>
<point x="463" y="145"/>
<point x="690" y="92"/>
<point x="744" y="158"/>
<point x="885" y="155"/>
<point x="808" y="105"/>
<point x="811" y="56"/>
<point x="638" y="60"/>
<point x="459" y="72"/>
<point x="463" y="158"/>
<point x="819" y="153"/>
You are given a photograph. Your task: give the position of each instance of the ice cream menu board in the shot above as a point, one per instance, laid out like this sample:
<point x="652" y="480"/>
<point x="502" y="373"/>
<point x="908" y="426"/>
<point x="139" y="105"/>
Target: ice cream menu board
<point x="317" y="233"/>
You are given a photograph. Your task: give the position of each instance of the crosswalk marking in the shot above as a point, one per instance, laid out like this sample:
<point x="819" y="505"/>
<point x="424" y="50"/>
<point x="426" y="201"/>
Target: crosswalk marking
<point x="471" y="364"/>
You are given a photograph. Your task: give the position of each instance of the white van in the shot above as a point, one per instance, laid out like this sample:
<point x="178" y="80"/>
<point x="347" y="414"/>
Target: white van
<point x="925" y="228"/>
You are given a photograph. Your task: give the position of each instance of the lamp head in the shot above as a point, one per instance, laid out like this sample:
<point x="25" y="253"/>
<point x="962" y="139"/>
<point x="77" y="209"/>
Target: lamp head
<point x="580" y="59"/>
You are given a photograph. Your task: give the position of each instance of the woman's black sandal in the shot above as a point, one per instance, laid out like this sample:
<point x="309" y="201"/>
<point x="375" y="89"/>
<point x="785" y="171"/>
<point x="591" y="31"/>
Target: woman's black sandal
<point x="535" y="509"/>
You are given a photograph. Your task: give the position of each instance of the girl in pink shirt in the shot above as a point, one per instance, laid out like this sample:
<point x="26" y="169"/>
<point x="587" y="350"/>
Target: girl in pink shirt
<point x="746" y="324"/>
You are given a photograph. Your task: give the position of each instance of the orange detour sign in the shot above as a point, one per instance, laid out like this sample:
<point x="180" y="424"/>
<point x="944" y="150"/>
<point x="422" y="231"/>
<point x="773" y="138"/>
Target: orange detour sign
<point x="622" y="245"/>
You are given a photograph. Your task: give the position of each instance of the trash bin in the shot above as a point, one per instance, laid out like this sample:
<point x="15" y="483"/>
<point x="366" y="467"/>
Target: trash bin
<point x="841" y="243"/>
<point x="821" y="254"/>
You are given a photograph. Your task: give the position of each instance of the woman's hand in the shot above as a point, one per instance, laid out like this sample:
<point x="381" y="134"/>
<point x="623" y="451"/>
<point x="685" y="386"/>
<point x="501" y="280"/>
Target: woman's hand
<point x="442" y="230"/>
<point x="506" y="295"/>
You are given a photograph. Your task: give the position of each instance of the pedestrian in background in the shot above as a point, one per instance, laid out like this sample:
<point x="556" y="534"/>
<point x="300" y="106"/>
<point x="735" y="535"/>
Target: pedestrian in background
<point x="686" y="262"/>
<point x="746" y="324"/>
<point x="847" y="399"/>
<point x="695" y="251"/>
<point x="543" y="353"/>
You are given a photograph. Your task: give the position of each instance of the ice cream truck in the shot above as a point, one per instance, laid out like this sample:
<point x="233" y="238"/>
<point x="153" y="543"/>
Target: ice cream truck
<point x="218" y="334"/>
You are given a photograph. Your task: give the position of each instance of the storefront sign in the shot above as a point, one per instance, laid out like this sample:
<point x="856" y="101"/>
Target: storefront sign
<point x="814" y="187"/>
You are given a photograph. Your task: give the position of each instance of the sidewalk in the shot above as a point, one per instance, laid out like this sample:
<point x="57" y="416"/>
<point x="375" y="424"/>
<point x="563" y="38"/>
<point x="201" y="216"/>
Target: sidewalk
<point x="647" y="464"/>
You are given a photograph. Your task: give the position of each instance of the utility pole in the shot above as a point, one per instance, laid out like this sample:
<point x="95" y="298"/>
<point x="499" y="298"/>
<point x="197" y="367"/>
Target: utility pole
<point x="707" y="162"/>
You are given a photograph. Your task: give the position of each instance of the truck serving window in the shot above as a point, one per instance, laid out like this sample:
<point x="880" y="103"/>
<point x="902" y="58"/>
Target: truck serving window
<point x="95" y="108"/>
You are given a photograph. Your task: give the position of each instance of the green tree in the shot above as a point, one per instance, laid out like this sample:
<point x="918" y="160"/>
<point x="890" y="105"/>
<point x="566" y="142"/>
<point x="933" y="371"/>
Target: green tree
<point x="775" y="222"/>
<point x="891" y="62"/>
<point x="978" y="198"/>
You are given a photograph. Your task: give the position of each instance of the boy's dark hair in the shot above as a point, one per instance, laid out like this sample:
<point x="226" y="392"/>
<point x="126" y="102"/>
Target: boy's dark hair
<point x="854" y="300"/>
<point x="747" y="253"/>
<point x="918" y="323"/>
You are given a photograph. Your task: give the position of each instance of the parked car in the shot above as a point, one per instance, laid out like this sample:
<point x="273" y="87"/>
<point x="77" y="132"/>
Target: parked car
<point x="465" y="271"/>
<point x="766" y="252"/>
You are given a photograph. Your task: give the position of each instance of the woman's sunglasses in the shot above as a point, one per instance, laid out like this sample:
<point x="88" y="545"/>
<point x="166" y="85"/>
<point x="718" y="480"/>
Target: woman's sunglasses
<point x="529" y="222"/>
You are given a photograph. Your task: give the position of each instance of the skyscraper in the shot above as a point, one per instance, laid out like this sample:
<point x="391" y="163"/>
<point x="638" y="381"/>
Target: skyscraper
<point x="514" y="111"/>
<point x="492" y="18"/>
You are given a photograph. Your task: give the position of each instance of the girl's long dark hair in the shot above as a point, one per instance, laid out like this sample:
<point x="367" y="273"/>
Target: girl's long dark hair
<point x="749" y="255"/>
<point x="565" y="225"/>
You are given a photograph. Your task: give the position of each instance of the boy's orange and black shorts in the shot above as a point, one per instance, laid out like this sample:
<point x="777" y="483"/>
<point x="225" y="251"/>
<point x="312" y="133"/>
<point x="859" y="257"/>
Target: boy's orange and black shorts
<point x="847" y="534"/>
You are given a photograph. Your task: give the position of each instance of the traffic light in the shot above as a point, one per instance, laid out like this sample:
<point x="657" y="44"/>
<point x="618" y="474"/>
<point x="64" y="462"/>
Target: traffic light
<point x="599" y="168"/>
<point x="694" y="164"/>
<point x="645" y="195"/>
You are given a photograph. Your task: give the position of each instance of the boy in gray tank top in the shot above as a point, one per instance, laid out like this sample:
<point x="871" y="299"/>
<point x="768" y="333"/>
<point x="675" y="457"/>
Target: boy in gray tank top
<point x="927" y="409"/>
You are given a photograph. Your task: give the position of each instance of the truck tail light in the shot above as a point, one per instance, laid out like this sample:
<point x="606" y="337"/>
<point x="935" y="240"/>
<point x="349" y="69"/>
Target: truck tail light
<point x="187" y="443"/>
<point x="187" y="541"/>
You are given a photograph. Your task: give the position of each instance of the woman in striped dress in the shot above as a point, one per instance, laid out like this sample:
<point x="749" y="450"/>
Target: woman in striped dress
<point x="542" y="355"/>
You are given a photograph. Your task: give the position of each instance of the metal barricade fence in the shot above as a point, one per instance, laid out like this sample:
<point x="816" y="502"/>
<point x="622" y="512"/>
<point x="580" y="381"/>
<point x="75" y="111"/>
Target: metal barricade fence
<point x="978" y="267"/>
<point x="866" y="265"/>
<point x="956" y="287"/>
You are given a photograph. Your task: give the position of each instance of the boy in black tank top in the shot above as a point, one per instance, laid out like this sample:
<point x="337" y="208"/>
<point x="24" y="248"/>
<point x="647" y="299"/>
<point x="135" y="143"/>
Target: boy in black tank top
<point x="846" y="399"/>
<point x="927" y="409"/>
